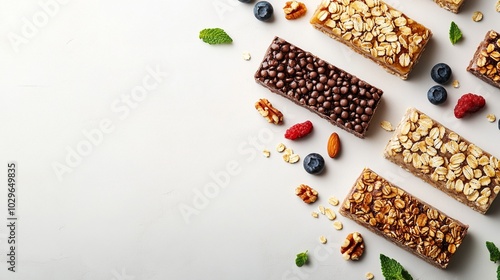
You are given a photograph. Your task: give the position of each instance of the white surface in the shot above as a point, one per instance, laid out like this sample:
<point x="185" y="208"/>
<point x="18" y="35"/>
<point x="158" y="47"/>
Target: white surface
<point x="117" y="214"/>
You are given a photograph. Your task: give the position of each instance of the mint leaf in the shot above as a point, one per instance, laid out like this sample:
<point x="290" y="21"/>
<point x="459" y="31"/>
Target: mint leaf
<point x="301" y="259"/>
<point x="498" y="273"/>
<point x="494" y="252"/>
<point x="393" y="270"/>
<point x="214" y="36"/>
<point x="455" y="33"/>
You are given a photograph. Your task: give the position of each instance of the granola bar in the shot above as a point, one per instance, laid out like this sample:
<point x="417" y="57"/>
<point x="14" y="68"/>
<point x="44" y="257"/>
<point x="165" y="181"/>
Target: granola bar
<point x="403" y="219"/>
<point x="451" y="5"/>
<point x="485" y="64"/>
<point x="312" y="83"/>
<point x="445" y="160"/>
<point x="376" y="30"/>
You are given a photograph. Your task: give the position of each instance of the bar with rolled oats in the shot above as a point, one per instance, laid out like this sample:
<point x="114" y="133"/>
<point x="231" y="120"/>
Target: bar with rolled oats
<point x="485" y="64"/>
<point x="403" y="219"/>
<point x="376" y="30"/>
<point x="445" y="160"/>
<point x="451" y="5"/>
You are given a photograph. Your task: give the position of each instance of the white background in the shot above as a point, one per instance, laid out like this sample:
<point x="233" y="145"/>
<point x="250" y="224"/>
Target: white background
<point x="173" y="184"/>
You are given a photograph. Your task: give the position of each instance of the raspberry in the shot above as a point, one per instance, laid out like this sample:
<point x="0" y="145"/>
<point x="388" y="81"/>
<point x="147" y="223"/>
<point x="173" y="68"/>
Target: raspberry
<point x="468" y="103"/>
<point x="299" y="130"/>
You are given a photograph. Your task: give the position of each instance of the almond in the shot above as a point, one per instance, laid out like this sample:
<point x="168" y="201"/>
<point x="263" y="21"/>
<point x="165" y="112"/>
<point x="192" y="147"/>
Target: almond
<point x="333" y="146"/>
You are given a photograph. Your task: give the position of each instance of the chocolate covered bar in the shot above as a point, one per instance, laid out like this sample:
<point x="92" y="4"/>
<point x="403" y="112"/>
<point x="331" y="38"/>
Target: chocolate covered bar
<point x="403" y="219"/>
<point x="375" y="30"/>
<point x="332" y="93"/>
<point x="485" y="64"/>
<point x="445" y="160"/>
<point x="451" y="5"/>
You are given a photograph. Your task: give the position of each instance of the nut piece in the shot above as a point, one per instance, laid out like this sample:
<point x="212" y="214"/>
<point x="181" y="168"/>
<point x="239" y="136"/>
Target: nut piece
<point x="246" y="56"/>
<point x="333" y="146"/>
<point x="369" y="276"/>
<point x="267" y="110"/>
<point x="306" y="193"/>
<point x="294" y="9"/>
<point x="477" y="16"/>
<point x="353" y="246"/>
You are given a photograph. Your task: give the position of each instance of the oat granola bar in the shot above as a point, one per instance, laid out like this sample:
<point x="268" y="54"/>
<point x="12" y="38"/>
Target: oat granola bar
<point x="375" y="30"/>
<point x="403" y="219"/>
<point x="310" y="82"/>
<point x="485" y="63"/>
<point x="451" y="5"/>
<point x="445" y="160"/>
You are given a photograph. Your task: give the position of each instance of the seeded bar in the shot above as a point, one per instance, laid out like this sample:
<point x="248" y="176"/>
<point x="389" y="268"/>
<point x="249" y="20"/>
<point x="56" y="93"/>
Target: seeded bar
<point x="486" y="61"/>
<point x="375" y="30"/>
<point x="451" y="5"/>
<point x="310" y="82"/>
<point x="403" y="219"/>
<point x="445" y="160"/>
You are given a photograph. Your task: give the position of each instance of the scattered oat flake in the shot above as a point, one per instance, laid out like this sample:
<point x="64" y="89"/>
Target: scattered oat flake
<point x="321" y="209"/>
<point x="315" y="214"/>
<point x="338" y="225"/>
<point x="456" y="84"/>
<point x="369" y="276"/>
<point x="246" y="56"/>
<point x="266" y="153"/>
<point x="497" y="6"/>
<point x="280" y="148"/>
<point x="330" y="214"/>
<point x="333" y="200"/>
<point x="294" y="158"/>
<point x="491" y="117"/>
<point x="322" y="239"/>
<point x="477" y="16"/>
<point x="386" y="126"/>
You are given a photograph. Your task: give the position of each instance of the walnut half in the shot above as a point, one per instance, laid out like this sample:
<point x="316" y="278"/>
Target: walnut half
<point x="353" y="246"/>
<point x="306" y="193"/>
<point x="294" y="9"/>
<point x="267" y="110"/>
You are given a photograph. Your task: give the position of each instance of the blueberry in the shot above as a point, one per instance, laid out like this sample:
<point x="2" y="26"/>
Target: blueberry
<point x="441" y="73"/>
<point x="263" y="10"/>
<point x="437" y="95"/>
<point x="314" y="163"/>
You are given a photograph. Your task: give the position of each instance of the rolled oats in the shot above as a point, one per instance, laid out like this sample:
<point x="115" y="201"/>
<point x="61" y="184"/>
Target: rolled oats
<point x="477" y="16"/>
<point x="322" y="239"/>
<point x="445" y="160"/>
<point x="338" y="225"/>
<point x="376" y="30"/>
